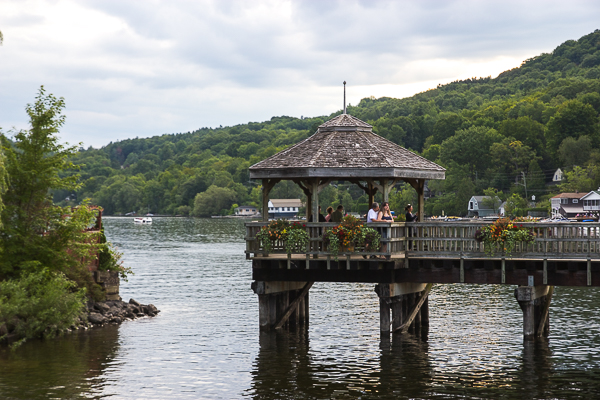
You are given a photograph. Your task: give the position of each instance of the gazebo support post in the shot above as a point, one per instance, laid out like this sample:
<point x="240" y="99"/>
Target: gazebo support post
<point x="267" y="185"/>
<point x="305" y="186"/>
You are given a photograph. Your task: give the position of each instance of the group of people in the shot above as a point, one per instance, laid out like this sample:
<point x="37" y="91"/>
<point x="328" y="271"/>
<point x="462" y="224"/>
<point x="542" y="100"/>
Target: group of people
<point x="375" y="214"/>
<point x="384" y="214"/>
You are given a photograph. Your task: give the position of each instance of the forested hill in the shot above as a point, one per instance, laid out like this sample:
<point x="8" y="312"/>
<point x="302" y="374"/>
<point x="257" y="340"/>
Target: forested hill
<point x="508" y="134"/>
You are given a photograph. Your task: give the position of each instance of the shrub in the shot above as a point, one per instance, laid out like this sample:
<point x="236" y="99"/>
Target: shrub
<point x="39" y="304"/>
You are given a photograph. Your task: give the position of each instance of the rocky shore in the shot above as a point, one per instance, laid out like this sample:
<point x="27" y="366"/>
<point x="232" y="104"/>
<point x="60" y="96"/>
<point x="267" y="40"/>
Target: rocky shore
<point x="96" y="314"/>
<point x="115" y="312"/>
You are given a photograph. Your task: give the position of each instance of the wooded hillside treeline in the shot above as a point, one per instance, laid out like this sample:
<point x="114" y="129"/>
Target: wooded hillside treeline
<point x="507" y="134"/>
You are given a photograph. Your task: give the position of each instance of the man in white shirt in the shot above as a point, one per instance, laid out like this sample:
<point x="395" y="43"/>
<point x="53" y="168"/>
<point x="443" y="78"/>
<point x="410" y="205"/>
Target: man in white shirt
<point x="372" y="215"/>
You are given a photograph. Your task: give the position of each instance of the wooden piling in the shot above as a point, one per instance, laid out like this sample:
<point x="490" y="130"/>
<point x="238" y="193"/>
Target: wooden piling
<point x="384" y="314"/>
<point x="534" y="302"/>
<point x="396" y="312"/>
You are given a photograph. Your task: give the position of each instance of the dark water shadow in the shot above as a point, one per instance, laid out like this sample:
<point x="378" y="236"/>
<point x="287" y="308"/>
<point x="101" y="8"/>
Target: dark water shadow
<point x="68" y="367"/>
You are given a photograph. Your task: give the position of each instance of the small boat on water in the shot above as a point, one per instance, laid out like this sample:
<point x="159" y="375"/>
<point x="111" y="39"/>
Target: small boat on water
<point x="142" y="220"/>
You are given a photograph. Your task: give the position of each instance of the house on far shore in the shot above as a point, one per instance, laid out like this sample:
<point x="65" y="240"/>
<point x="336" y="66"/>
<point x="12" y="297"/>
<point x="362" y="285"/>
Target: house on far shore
<point x="479" y="206"/>
<point x="591" y="202"/>
<point x="284" y="208"/>
<point x="245" y="211"/>
<point x="567" y="205"/>
<point x="557" y="177"/>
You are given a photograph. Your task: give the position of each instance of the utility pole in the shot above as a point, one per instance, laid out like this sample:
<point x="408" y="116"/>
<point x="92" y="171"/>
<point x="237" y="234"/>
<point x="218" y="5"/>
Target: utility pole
<point x="524" y="183"/>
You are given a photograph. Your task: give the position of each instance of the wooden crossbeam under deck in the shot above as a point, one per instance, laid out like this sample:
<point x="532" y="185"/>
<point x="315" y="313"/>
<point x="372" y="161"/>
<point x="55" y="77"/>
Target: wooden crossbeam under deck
<point x="413" y="313"/>
<point x="293" y="305"/>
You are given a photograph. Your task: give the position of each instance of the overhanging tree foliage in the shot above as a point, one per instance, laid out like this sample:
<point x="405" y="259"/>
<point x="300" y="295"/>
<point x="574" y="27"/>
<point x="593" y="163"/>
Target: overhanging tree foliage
<point x="36" y="232"/>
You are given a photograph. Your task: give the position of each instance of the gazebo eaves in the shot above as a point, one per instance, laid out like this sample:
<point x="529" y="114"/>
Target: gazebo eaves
<point x="346" y="173"/>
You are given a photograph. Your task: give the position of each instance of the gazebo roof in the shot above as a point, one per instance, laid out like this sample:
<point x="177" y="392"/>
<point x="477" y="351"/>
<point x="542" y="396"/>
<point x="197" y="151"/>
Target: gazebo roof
<point x="346" y="147"/>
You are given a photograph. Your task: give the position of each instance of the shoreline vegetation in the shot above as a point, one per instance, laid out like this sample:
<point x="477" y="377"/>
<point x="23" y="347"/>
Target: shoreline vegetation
<point x="47" y="251"/>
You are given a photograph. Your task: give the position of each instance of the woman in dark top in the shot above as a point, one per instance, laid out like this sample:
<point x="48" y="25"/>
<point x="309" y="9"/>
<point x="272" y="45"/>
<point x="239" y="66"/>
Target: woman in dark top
<point x="410" y="217"/>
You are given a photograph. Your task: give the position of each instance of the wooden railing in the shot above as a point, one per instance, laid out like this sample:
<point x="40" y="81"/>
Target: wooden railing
<point x="393" y="240"/>
<point x="564" y="240"/>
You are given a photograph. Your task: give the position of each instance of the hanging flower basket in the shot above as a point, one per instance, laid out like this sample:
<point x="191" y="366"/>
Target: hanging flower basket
<point x="503" y="235"/>
<point x="293" y="236"/>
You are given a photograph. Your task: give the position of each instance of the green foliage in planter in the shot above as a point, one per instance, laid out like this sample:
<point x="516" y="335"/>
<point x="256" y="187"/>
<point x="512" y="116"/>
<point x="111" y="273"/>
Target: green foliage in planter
<point x="293" y="235"/>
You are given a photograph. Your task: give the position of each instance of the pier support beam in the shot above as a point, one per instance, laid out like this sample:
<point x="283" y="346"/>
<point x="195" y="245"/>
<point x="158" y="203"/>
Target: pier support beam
<point x="282" y="304"/>
<point x="535" y="302"/>
<point x="405" y="302"/>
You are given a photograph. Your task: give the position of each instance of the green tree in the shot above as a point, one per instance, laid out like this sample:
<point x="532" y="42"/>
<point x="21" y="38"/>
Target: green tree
<point x="575" y="151"/>
<point x="515" y="206"/>
<point x="406" y="194"/>
<point x="38" y="235"/>
<point x="213" y="201"/>
<point x="470" y="147"/>
<point x="35" y="161"/>
<point x="581" y="179"/>
<point x="573" y="119"/>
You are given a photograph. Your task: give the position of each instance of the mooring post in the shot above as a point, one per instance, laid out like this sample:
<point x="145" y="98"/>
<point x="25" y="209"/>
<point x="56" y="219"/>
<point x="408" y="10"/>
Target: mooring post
<point x="534" y="301"/>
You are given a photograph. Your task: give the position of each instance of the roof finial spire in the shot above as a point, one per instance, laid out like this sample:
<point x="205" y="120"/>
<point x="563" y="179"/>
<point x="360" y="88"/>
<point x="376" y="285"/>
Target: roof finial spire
<point x="344" y="97"/>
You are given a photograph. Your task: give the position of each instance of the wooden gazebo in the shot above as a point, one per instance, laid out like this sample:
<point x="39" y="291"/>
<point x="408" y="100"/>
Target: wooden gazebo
<point x="345" y="148"/>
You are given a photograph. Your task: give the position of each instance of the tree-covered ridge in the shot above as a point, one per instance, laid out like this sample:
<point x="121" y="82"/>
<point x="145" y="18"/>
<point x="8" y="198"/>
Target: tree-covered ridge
<point x="509" y="133"/>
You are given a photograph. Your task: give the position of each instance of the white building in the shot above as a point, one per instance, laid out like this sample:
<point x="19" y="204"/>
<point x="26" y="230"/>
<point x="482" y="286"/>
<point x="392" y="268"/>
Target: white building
<point x="558" y="176"/>
<point x="591" y="202"/>
<point x="244" y="211"/>
<point x="284" y="208"/>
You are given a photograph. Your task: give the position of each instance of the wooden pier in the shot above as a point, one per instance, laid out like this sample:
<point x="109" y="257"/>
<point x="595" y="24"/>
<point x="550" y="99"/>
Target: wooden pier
<point x="418" y="255"/>
<point x="563" y="254"/>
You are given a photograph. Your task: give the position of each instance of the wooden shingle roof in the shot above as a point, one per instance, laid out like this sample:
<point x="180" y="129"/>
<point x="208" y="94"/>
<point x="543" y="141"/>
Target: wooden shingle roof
<point x="346" y="147"/>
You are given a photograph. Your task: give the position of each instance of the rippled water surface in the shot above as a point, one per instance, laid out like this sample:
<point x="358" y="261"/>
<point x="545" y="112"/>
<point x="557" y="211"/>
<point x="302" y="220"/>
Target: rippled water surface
<point x="205" y="344"/>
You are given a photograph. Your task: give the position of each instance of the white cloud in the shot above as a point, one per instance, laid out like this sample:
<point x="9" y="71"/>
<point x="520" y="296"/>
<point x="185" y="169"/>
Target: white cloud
<point x="132" y="68"/>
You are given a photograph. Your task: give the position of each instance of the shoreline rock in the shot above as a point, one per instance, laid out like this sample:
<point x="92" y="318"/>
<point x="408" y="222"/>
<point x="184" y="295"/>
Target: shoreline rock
<point x="115" y="312"/>
<point x="96" y="314"/>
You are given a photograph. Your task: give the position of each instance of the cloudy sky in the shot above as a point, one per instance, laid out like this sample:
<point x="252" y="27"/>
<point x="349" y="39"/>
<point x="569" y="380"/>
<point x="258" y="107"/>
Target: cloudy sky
<point x="142" y="68"/>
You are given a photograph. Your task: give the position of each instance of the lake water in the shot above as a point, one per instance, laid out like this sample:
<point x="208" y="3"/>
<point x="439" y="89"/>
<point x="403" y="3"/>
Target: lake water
<point x="205" y="343"/>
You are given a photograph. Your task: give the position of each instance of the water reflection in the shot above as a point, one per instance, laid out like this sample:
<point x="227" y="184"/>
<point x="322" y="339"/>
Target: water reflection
<point x="65" y="368"/>
<point x="537" y="368"/>
<point x="287" y="368"/>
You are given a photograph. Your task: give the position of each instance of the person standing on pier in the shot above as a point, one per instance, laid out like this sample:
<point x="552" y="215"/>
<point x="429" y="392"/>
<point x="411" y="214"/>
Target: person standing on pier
<point x="373" y="213"/>
<point x="329" y="212"/>
<point x="410" y="217"/>
<point x="338" y="214"/>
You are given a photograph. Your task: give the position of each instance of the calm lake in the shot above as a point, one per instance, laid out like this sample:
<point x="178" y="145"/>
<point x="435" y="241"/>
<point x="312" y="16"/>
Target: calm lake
<point x="205" y="343"/>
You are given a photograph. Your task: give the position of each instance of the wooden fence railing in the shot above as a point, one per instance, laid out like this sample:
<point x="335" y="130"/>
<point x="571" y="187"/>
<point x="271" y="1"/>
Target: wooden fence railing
<point x="564" y="240"/>
<point x="393" y="240"/>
